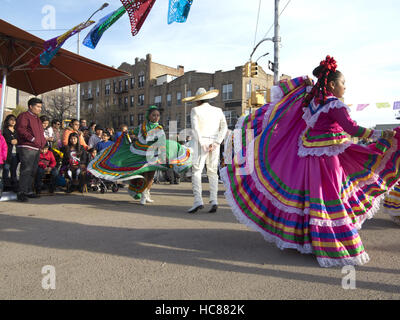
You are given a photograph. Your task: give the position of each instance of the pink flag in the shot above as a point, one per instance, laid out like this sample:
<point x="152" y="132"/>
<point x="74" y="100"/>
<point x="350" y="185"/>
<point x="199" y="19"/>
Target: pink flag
<point x="361" y="107"/>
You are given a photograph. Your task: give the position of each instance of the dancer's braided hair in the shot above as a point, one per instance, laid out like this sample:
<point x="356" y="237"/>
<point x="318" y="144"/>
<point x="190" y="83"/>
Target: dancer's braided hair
<point x="325" y="72"/>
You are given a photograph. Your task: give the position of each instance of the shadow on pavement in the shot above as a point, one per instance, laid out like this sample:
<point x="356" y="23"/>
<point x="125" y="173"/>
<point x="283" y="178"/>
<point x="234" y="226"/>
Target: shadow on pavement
<point x="219" y="249"/>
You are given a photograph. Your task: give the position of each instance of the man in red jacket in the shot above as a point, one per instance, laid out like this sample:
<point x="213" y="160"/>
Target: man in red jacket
<point x="30" y="140"/>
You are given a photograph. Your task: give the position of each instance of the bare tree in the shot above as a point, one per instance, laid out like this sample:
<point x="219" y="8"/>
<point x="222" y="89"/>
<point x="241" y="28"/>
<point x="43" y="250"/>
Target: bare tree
<point x="60" y="104"/>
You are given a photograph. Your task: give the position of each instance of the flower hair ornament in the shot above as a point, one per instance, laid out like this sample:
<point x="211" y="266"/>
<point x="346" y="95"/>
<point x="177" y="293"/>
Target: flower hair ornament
<point x="322" y="72"/>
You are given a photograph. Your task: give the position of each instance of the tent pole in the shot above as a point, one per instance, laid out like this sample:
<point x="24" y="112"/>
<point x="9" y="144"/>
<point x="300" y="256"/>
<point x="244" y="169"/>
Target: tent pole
<point x="3" y="97"/>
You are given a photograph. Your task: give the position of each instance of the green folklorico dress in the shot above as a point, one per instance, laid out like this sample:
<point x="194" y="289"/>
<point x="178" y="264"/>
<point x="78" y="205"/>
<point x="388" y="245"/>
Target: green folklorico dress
<point x="128" y="160"/>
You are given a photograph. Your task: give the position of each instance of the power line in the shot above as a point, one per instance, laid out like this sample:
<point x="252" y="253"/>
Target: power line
<point x="279" y="15"/>
<point x="258" y="18"/>
<point x="39" y="30"/>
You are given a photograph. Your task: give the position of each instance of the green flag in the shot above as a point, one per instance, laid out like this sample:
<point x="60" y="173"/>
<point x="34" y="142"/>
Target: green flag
<point x="383" y="105"/>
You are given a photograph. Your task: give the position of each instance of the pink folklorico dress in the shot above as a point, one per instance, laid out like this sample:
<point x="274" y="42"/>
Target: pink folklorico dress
<point x="294" y="175"/>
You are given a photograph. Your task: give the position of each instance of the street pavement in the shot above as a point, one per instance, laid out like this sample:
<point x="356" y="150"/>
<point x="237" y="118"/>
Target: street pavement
<point x="108" y="246"/>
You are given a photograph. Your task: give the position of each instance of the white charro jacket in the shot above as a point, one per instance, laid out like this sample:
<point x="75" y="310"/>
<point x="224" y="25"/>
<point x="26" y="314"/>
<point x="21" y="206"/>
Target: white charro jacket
<point x="208" y="124"/>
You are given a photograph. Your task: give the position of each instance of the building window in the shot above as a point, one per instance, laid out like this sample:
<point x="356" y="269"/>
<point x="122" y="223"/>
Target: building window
<point x="157" y="101"/>
<point x="227" y="92"/>
<point x="169" y="100"/>
<point x="115" y="86"/>
<point x="140" y="118"/>
<point x="178" y="98"/>
<point x="248" y="90"/>
<point x="120" y="86"/>
<point x="189" y="94"/>
<point x="131" y="120"/>
<point x="120" y="102"/>
<point x="132" y="82"/>
<point x="178" y="121"/>
<point x="126" y="84"/>
<point x="107" y="89"/>
<point x="97" y="91"/>
<point x="231" y="117"/>
<point x="126" y="103"/>
<point x="141" y="81"/>
<point x="132" y="101"/>
<point x="107" y="103"/>
<point x="141" y="100"/>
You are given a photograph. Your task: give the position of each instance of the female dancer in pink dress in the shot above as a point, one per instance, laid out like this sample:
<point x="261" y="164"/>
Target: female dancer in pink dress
<point x="293" y="174"/>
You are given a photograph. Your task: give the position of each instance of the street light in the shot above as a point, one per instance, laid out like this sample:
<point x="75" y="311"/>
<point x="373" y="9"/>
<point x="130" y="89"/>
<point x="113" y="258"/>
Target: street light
<point x="78" y="88"/>
<point x="258" y="44"/>
<point x="105" y="4"/>
<point x="262" y="56"/>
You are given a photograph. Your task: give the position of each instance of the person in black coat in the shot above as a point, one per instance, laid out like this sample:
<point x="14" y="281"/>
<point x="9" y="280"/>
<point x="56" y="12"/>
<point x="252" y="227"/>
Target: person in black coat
<point x="10" y="168"/>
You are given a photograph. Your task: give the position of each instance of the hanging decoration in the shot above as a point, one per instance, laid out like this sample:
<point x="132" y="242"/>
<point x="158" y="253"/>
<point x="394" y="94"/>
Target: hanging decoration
<point x="382" y="105"/>
<point x="361" y="107"/>
<point x="138" y="10"/>
<point x="52" y="46"/>
<point x="106" y="22"/>
<point x="178" y="10"/>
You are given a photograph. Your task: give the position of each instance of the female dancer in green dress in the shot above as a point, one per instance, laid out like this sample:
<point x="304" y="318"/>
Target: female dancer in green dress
<point x="137" y="159"/>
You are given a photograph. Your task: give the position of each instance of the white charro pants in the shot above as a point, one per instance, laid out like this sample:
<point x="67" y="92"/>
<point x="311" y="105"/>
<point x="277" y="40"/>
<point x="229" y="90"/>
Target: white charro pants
<point x="211" y="160"/>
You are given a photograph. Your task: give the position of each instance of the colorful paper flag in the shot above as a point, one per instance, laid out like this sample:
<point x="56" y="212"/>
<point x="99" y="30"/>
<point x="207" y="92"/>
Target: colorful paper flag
<point x="93" y="37"/>
<point x="396" y="105"/>
<point x="382" y="105"/>
<point x="361" y="107"/>
<point x="138" y="10"/>
<point x="178" y="10"/>
<point x="52" y="46"/>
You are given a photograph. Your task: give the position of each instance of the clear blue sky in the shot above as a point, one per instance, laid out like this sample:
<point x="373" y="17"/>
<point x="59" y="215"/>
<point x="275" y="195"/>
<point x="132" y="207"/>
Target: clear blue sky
<point x="219" y="35"/>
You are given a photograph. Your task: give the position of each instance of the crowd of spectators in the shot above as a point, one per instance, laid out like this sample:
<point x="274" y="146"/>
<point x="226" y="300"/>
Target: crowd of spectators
<point x="37" y="153"/>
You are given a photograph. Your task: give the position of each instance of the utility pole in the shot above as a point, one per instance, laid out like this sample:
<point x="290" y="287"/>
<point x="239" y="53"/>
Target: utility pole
<point x="78" y="89"/>
<point x="277" y="43"/>
<point x="78" y="86"/>
<point x="185" y="124"/>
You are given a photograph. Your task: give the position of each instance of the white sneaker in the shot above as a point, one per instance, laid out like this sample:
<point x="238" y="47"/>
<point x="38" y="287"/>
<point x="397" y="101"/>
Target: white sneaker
<point x="143" y="199"/>
<point x="148" y="196"/>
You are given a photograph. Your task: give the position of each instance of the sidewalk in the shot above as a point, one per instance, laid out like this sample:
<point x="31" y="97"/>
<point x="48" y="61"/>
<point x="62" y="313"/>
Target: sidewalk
<point x="108" y="246"/>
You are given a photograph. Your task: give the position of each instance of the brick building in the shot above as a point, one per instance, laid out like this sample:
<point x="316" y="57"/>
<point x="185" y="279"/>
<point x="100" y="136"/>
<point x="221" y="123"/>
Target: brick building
<point x="124" y="100"/>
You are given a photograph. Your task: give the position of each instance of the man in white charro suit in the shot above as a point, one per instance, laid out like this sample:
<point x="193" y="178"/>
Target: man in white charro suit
<point x="209" y="128"/>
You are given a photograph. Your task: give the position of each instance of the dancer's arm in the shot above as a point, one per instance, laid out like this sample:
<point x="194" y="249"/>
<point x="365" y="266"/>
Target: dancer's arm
<point x="342" y="117"/>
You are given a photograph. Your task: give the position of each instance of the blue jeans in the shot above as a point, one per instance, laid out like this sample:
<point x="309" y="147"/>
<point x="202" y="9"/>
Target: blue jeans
<point x="10" y="170"/>
<point x="39" y="176"/>
<point x="1" y="180"/>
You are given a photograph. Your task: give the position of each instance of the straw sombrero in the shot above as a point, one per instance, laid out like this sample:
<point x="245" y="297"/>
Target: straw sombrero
<point x="202" y="94"/>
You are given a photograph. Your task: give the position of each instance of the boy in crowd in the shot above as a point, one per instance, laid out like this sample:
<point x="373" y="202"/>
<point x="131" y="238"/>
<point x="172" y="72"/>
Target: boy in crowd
<point x="105" y="142"/>
<point x="47" y="165"/>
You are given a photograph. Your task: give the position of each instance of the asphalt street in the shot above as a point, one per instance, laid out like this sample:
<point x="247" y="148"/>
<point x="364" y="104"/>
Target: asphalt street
<point x="108" y="246"/>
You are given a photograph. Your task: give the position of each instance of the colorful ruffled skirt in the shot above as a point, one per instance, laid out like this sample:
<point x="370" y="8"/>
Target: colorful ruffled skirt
<point x="122" y="161"/>
<point x="315" y="204"/>
<point x="391" y="204"/>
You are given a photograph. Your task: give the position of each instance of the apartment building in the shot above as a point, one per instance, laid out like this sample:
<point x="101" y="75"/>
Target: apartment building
<point x="124" y="100"/>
